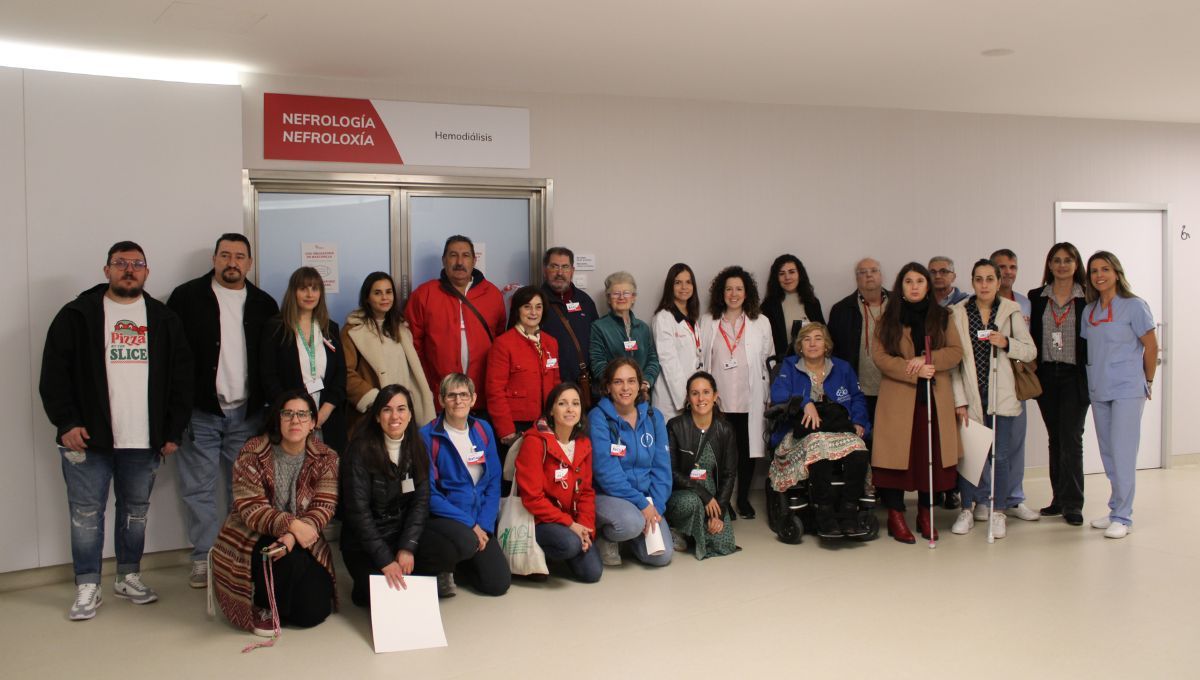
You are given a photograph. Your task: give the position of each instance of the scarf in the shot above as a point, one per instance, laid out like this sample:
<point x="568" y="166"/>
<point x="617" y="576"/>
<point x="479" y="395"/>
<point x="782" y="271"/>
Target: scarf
<point x="912" y="316"/>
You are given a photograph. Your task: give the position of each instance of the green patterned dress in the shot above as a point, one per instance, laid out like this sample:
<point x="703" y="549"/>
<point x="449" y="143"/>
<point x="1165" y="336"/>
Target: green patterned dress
<point x="685" y="512"/>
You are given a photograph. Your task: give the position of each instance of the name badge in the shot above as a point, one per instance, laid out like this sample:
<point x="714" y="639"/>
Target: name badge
<point x="475" y="457"/>
<point x="983" y="334"/>
<point x="574" y="306"/>
<point x="732" y="363"/>
<point x="699" y="475"/>
<point x="407" y="486"/>
<point x="1056" y="340"/>
<point x="560" y="474"/>
<point x="313" y="386"/>
<point x="631" y="345"/>
<point x="551" y="362"/>
<point x="617" y="450"/>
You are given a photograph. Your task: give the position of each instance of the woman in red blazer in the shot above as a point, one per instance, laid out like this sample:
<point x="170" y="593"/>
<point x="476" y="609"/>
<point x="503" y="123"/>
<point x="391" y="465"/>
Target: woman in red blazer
<point x="554" y="478"/>
<point x="522" y="368"/>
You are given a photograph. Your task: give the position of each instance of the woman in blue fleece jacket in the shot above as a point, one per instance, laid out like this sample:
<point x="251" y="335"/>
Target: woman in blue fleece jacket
<point x="631" y="467"/>
<point x="464" y="493"/>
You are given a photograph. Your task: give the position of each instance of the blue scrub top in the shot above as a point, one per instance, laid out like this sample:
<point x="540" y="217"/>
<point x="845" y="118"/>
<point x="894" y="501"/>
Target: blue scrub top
<point x="1115" y="349"/>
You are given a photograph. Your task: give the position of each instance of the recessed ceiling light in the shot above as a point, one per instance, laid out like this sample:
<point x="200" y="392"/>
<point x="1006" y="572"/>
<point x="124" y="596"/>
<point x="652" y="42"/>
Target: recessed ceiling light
<point x="998" y="52"/>
<point x="44" y="58"/>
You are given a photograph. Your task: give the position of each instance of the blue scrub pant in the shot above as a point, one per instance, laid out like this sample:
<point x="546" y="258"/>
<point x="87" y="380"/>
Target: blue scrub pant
<point x="1118" y="430"/>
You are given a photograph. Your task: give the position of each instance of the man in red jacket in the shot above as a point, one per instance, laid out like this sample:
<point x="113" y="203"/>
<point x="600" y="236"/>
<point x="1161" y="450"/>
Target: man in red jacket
<point x="455" y="318"/>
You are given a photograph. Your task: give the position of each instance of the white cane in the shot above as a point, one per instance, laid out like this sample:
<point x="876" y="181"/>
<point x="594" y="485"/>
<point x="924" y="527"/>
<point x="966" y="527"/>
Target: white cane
<point x="992" y="400"/>
<point x="929" y="438"/>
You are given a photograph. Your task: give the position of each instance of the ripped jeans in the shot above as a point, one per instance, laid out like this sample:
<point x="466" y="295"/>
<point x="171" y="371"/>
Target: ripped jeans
<point x="88" y="474"/>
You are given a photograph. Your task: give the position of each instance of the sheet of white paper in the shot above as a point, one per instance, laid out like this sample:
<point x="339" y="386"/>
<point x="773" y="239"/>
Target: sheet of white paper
<point x="977" y="442"/>
<point x="406" y="619"/>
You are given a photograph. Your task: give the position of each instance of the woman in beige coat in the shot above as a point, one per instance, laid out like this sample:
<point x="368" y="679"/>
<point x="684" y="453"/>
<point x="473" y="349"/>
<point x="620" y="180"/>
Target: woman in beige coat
<point x="900" y="457"/>
<point x="379" y="351"/>
<point x="990" y="323"/>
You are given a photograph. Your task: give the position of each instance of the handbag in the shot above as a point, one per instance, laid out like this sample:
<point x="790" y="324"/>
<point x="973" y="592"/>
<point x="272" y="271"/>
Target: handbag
<point x="516" y="532"/>
<point x="1025" y="380"/>
<point x="585" y="378"/>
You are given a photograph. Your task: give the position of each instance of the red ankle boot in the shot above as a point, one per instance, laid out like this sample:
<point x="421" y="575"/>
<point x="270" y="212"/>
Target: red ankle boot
<point x="923" y="523"/>
<point x="898" y="528"/>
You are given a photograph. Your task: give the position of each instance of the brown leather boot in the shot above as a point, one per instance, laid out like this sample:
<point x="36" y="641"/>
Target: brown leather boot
<point x="898" y="528"/>
<point x="924" y="525"/>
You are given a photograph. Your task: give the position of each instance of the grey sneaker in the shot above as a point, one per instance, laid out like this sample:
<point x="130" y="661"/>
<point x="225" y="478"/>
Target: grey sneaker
<point x="678" y="541"/>
<point x="130" y="587"/>
<point x="610" y="554"/>
<point x="199" y="577"/>
<point x="445" y="585"/>
<point x="87" y="600"/>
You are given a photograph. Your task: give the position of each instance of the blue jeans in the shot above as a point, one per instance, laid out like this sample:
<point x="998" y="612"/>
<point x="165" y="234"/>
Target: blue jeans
<point x="560" y="543"/>
<point x="88" y="474"/>
<point x="1010" y="467"/>
<point x="618" y="520"/>
<point x="210" y="446"/>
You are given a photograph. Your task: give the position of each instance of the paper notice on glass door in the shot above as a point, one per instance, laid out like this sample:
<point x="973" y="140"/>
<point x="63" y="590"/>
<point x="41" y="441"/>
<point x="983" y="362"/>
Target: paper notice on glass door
<point x="324" y="258"/>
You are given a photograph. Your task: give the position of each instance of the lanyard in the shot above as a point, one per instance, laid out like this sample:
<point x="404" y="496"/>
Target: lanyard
<point x="695" y="336"/>
<point x="737" y="339"/>
<point x="310" y="346"/>
<point x="1058" y="320"/>
<point x="867" y="319"/>
<point x="1091" y="315"/>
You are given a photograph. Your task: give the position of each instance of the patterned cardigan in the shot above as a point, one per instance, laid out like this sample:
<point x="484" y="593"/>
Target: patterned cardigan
<point x="254" y="515"/>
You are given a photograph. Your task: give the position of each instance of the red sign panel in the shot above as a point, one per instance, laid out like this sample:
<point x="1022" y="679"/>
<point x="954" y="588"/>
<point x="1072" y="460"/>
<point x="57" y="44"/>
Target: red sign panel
<point x="300" y="127"/>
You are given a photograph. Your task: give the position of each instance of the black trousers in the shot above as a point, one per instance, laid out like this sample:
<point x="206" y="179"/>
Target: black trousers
<point x="854" y="476"/>
<point x="745" y="468"/>
<point x="447" y="544"/>
<point x="303" y="589"/>
<point x="1064" y="412"/>
<point x="893" y="499"/>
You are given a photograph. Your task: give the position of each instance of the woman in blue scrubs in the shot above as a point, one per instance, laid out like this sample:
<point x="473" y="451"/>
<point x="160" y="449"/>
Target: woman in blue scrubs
<point x="1122" y="356"/>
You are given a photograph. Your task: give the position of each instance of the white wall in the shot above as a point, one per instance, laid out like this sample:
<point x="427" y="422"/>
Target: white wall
<point x="643" y="183"/>
<point x="105" y="159"/>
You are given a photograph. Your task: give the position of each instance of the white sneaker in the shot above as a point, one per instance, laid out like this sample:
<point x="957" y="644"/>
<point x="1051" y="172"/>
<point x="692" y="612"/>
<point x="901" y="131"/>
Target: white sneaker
<point x="1117" y="530"/>
<point x="1023" y="512"/>
<point x="610" y="553"/>
<point x="87" y="599"/>
<point x="678" y="541"/>
<point x="199" y="576"/>
<point x="131" y="588"/>
<point x="963" y="524"/>
<point x="981" y="512"/>
<point x="999" y="525"/>
<point x="1101" y="522"/>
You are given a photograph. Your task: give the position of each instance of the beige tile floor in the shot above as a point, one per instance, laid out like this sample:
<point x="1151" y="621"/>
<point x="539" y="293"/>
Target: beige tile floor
<point x="1049" y="601"/>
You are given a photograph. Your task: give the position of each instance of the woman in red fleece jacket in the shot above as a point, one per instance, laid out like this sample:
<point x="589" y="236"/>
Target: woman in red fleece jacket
<point x="522" y="368"/>
<point x="554" y="478"/>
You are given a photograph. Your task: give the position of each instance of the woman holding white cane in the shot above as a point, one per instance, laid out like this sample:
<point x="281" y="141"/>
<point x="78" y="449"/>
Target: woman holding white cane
<point x="984" y="386"/>
<point x="907" y="435"/>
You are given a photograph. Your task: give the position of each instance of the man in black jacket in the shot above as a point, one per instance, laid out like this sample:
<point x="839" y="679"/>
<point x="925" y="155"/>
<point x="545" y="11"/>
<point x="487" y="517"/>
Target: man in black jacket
<point x="116" y="383"/>
<point x="223" y="315"/>
<point x="569" y="314"/>
<point x="851" y="337"/>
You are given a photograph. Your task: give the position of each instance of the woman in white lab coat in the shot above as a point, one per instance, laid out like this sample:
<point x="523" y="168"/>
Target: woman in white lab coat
<point x="677" y="338"/>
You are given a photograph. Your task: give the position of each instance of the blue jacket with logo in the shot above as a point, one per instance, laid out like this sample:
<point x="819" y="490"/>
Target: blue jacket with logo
<point x="645" y="469"/>
<point x="841" y="386"/>
<point x="452" y="493"/>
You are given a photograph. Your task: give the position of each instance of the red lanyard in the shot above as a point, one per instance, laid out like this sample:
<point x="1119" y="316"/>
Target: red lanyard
<point x="867" y="319"/>
<point x="736" y="340"/>
<point x="1091" y="315"/>
<point x="1058" y="320"/>
<point x="692" y="330"/>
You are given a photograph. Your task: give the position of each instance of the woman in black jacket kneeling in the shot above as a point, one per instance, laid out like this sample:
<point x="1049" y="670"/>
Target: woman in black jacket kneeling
<point x="385" y="494"/>
<point x="703" y="467"/>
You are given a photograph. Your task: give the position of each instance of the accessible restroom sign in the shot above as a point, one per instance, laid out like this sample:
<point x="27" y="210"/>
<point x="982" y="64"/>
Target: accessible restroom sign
<point x="337" y="129"/>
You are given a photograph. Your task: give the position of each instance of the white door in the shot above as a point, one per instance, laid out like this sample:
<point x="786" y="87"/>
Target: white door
<point x="1134" y="233"/>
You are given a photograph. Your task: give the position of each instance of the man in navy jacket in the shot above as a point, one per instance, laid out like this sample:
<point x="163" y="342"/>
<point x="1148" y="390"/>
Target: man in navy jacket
<point x="567" y="306"/>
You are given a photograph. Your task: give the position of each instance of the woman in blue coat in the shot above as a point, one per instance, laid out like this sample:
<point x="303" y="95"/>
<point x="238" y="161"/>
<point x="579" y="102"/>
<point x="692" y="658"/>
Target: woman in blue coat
<point x="631" y="468"/>
<point x="830" y="425"/>
<point x="464" y="493"/>
<point x="1121" y="360"/>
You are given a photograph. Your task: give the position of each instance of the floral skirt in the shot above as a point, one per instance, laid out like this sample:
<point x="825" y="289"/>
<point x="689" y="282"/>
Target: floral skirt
<point x="792" y="458"/>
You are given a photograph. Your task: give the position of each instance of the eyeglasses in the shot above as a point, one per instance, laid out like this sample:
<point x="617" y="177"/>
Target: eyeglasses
<point x="302" y="416"/>
<point x="122" y="263"/>
<point x="621" y="294"/>
<point x="457" y="396"/>
<point x="864" y="272"/>
<point x="941" y="272"/>
<point x="559" y="267"/>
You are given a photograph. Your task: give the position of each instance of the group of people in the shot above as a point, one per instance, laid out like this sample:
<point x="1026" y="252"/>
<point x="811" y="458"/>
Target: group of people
<point x="633" y="437"/>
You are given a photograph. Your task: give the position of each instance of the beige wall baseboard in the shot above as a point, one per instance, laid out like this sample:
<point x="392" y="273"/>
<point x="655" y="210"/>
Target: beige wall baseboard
<point x="42" y="576"/>
<point x="1181" y="459"/>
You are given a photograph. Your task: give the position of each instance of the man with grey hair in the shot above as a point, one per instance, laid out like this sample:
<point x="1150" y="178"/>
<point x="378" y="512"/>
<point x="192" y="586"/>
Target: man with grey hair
<point x="569" y="315"/>
<point x="853" y="321"/>
<point x="944" y="291"/>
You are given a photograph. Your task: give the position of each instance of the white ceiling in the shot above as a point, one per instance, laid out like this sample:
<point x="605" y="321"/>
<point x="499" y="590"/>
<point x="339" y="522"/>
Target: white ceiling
<point x="1122" y="59"/>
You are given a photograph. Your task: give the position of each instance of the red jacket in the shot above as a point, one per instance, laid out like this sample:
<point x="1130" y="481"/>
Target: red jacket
<point x="519" y="379"/>
<point x="433" y="317"/>
<point x="562" y="501"/>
